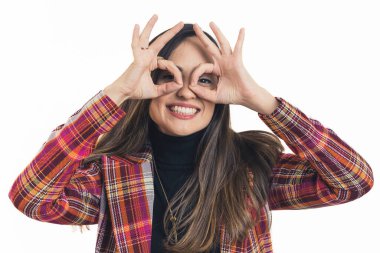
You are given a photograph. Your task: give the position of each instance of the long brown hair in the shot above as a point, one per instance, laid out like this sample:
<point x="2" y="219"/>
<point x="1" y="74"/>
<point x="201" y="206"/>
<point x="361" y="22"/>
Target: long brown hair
<point x="218" y="190"/>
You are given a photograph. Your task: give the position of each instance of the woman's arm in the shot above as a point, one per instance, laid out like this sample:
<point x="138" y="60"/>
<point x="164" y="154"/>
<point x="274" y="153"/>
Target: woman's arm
<point x="324" y="169"/>
<point x="56" y="186"/>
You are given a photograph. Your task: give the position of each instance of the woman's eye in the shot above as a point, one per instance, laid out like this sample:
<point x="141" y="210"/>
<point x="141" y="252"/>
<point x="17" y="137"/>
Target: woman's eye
<point x="166" y="77"/>
<point x="208" y="80"/>
<point x="205" y="80"/>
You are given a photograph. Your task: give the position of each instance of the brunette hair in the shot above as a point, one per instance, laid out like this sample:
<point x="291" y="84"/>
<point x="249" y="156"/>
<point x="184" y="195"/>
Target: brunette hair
<point x="231" y="178"/>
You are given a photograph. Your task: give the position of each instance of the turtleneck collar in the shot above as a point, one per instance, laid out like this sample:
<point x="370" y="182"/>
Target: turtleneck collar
<point x="174" y="150"/>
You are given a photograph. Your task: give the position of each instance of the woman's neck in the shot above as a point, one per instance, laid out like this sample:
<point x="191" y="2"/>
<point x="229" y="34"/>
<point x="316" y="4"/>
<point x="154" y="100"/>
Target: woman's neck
<point x="174" y="150"/>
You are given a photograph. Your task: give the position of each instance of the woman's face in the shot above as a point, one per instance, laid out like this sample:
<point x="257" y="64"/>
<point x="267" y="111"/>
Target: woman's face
<point x="182" y="112"/>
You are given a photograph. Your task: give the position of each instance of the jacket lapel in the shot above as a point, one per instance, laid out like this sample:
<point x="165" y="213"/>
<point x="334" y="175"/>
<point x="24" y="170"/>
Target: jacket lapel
<point x="129" y="189"/>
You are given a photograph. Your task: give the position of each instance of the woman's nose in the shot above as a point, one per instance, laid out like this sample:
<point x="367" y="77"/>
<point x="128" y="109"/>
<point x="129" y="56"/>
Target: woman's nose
<point x="185" y="91"/>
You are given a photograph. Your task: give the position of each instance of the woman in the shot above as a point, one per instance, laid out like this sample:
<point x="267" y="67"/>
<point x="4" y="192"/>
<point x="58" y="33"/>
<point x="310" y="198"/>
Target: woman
<point x="168" y="173"/>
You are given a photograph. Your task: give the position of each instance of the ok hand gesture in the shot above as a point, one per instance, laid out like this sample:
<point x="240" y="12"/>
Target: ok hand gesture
<point x="235" y="86"/>
<point x="136" y="81"/>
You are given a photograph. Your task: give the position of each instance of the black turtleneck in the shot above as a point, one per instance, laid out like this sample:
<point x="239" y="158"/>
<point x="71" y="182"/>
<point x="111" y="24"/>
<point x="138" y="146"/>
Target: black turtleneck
<point x="175" y="160"/>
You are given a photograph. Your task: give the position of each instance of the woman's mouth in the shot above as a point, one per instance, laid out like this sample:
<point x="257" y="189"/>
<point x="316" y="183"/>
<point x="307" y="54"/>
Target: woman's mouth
<point x="182" y="112"/>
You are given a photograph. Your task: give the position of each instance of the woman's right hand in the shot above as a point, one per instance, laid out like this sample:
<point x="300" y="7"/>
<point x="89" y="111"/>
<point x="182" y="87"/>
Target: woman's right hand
<point x="136" y="81"/>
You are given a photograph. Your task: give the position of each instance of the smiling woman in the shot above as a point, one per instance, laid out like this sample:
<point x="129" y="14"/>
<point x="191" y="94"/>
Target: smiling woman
<point x="168" y="173"/>
<point x="183" y="112"/>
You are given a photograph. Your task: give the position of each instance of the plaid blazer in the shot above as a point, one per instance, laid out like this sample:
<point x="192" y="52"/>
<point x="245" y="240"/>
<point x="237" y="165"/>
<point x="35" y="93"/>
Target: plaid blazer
<point x="117" y="192"/>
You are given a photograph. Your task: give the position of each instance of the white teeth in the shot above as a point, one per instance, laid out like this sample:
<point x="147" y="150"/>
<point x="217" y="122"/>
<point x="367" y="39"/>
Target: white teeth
<point x="183" y="110"/>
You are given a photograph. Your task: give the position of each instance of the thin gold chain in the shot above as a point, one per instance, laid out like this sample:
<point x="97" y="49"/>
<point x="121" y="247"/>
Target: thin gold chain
<point x="173" y="219"/>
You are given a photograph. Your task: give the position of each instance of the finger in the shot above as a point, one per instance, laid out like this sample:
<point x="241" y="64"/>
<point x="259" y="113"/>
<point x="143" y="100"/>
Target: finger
<point x="166" y="88"/>
<point x="204" y="92"/>
<point x="200" y="70"/>
<point x="223" y="42"/>
<point x="239" y="43"/>
<point x="144" y="37"/>
<point x="135" y="36"/>
<point x="172" y="68"/>
<point x="164" y="38"/>
<point x="207" y="43"/>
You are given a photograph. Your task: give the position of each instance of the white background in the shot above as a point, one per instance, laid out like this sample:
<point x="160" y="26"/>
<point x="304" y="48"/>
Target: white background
<point x="321" y="56"/>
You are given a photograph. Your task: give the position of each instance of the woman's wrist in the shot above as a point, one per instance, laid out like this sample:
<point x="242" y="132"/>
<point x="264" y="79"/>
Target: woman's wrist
<point x="115" y="94"/>
<point x="262" y="102"/>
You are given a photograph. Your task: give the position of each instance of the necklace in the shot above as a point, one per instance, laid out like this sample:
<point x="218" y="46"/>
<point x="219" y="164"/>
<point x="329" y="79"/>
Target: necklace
<point x="173" y="219"/>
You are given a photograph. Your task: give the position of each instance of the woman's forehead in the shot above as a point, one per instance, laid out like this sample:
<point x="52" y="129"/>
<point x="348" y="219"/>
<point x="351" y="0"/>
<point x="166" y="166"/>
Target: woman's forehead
<point x="190" y="51"/>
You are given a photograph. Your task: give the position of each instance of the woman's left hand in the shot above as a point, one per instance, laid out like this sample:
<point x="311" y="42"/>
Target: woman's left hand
<point x="235" y="86"/>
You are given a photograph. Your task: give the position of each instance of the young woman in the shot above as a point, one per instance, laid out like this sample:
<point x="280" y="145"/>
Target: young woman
<point x="153" y="161"/>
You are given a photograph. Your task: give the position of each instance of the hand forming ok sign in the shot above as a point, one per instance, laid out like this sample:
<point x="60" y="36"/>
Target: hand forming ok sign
<point x="136" y="81"/>
<point x="235" y="85"/>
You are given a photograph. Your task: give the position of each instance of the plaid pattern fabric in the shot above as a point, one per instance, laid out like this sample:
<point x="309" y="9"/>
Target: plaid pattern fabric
<point x="117" y="192"/>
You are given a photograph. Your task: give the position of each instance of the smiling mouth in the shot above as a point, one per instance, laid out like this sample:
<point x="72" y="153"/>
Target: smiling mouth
<point x="185" y="111"/>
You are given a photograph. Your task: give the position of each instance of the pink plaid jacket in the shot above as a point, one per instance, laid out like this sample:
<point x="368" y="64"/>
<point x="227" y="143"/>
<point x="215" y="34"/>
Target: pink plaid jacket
<point x="117" y="192"/>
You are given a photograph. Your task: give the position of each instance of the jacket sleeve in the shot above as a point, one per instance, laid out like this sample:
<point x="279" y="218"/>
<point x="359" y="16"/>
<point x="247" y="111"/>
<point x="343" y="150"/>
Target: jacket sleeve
<point x="56" y="186"/>
<point x="323" y="170"/>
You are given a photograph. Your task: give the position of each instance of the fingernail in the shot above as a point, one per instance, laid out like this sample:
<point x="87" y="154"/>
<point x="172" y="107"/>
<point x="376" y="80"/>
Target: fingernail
<point x="179" y="24"/>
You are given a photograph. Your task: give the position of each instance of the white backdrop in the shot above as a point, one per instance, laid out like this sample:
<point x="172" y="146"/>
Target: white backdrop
<point x="322" y="56"/>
